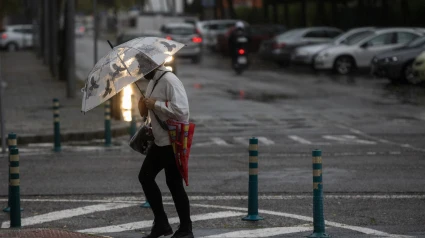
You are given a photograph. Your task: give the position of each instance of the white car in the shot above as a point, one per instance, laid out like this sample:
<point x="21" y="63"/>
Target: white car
<point x="359" y="52"/>
<point x="16" y="37"/>
<point x="210" y="29"/>
<point x="306" y="54"/>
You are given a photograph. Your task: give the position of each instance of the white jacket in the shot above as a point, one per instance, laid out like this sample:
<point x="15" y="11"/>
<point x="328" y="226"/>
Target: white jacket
<point x="171" y="103"/>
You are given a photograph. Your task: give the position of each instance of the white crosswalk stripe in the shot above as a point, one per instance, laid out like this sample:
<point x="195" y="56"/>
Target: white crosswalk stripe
<point x="265" y="232"/>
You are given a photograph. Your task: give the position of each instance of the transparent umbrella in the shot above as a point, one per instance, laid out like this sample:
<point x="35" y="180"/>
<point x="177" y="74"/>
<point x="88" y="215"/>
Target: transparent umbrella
<point x="123" y="65"/>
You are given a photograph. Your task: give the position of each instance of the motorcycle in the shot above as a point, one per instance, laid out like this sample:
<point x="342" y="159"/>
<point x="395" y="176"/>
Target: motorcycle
<point x="241" y="62"/>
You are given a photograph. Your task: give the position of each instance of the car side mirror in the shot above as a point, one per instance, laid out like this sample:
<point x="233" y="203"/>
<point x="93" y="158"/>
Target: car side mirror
<point x="365" y="45"/>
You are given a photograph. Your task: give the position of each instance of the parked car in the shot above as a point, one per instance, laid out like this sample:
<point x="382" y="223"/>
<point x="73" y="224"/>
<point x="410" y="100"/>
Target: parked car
<point x="397" y="65"/>
<point x="184" y="33"/>
<point x="359" y="52"/>
<point x="306" y="54"/>
<point x="419" y="67"/>
<point x="15" y="37"/>
<point x="130" y="35"/>
<point x="211" y="28"/>
<point x="257" y="34"/>
<point x="280" y="47"/>
<point x="80" y="30"/>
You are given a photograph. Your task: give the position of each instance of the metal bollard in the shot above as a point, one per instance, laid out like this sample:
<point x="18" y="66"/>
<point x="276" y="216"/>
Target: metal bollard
<point x="318" y="219"/>
<point x="56" y="123"/>
<point x="15" y="199"/>
<point x="108" y="123"/>
<point x="253" y="182"/>
<point x="133" y="125"/>
<point x="12" y="142"/>
<point x="145" y="205"/>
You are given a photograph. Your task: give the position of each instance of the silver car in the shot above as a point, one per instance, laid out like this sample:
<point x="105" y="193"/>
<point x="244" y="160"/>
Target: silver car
<point x="358" y="52"/>
<point x="16" y="37"/>
<point x="279" y="49"/>
<point x="185" y="33"/>
<point x="306" y="54"/>
<point x="210" y="29"/>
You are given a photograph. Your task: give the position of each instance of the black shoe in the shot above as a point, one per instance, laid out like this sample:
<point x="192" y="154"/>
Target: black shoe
<point x="185" y="232"/>
<point x="159" y="230"/>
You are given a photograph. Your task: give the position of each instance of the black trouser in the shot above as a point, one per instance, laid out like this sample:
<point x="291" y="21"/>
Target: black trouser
<point x="158" y="158"/>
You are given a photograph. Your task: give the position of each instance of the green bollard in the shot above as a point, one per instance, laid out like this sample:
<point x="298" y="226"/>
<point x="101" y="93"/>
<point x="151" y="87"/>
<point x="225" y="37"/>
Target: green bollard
<point x="108" y="123"/>
<point x="145" y="205"/>
<point x="56" y="123"/>
<point x="12" y="142"/>
<point x="133" y="125"/>
<point x="253" y="182"/>
<point x="15" y="200"/>
<point x="318" y="219"/>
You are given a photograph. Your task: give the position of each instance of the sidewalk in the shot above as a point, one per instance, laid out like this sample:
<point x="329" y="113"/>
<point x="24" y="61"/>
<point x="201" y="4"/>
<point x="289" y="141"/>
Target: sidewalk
<point x="28" y="104"/>
<point x="42" y="233"/>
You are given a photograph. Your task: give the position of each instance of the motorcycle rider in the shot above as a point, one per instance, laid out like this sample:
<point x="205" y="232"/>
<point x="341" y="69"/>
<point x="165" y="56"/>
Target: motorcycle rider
<point x="235" y="43"/>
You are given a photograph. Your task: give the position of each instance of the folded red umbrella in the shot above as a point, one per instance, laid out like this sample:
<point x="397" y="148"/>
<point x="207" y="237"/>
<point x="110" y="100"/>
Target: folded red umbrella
<point x="181" y="136"/>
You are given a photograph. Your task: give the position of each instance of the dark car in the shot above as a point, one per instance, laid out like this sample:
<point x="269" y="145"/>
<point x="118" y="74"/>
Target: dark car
<point x="257" y="34"/>
<point x="396" y="65"/>
<point x="280" y="47"/>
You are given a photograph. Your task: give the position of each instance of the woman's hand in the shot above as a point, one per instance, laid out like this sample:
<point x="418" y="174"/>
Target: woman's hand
<point x="150" y="103"/>
<point x="143" y="110"/>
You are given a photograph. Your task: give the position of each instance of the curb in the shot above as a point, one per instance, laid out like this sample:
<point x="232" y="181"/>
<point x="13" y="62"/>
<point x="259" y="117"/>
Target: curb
<point x="72" y="136"/>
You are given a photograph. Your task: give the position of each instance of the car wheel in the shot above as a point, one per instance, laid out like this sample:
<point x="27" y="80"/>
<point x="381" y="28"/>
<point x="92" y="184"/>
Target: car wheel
<point x="408" y="75"/>
<point x="12" y="47"/>
<point x="344" y="65"/>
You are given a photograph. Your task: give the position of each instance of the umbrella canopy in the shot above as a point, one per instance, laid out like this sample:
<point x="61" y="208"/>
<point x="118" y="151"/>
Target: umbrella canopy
<point x="123" y="65"/>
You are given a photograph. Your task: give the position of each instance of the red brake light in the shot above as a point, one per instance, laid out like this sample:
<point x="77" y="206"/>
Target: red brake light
<point x="241" y="51"/>
<point x="278" y="46"/>
<point x="82" y="29"/>
<point x="4" y="36"/>
<point x="197" y="39"/>
<point x="168" y="37"/>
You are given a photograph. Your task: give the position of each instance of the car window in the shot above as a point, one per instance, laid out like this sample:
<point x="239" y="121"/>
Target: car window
<point x="384" y="39"/>
<point x="180" y="30"/>
<point x="332" y="34"/>
<point x="315" y="34"/>
<point x="419" y="42"/>
<point x="213" y="27"/>
<point x="405" y="37"/>
<point x="291" y="34"/>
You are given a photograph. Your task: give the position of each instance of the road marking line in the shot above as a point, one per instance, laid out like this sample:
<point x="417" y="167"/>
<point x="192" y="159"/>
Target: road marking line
<point x="265" y="140"/>
<point x="265" y="232"/>
<point x="303" y="218"/>
<point x="379" y="139"/>
<point x="348" y="139"/>
<point x="52" y="216"/>
<point x="146" y="224"/>
<point x="140" y="199"/>
<point x="219" y="141"/>
<point x="300" y="140"/>
<point x="242" y="140"/>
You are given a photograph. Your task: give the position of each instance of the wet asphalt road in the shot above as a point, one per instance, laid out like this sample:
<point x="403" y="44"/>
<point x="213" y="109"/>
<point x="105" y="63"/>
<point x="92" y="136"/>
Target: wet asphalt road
<point x="372" y="135"/>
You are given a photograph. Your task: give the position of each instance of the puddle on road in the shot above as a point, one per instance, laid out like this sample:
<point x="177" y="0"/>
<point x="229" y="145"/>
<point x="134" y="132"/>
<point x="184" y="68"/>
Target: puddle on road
<point x="259" y="97"/>
<point x="405" y="93"/>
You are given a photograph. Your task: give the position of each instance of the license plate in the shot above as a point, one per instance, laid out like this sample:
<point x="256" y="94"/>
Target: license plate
<point x="242" y="39"/>
<point x="242" y="60"/>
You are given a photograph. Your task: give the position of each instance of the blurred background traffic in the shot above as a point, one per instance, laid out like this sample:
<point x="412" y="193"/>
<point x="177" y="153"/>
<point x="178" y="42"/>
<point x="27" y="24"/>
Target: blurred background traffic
<point x="375" y="38"/>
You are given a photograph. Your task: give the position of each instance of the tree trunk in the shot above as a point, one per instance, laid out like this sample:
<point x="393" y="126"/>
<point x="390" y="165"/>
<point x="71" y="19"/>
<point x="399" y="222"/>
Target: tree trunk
<point x="232" y="10"/>
<point x="405" y="11"/>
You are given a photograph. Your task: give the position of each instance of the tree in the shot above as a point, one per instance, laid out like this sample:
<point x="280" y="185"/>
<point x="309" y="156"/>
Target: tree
<point x="9" y="7"/>
<point x="231" y="9"/>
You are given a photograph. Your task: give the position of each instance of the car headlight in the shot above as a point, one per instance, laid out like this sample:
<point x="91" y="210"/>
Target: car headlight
<point x="322" y="56"/>
<point x="391" y="59"/>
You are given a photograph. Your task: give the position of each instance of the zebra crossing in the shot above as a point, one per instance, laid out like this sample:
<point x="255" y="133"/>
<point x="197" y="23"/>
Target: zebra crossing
<point x="209" y="219"/>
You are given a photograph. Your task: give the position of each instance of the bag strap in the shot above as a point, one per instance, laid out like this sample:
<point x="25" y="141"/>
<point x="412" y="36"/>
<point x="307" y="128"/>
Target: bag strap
<point x="161" y="123"/>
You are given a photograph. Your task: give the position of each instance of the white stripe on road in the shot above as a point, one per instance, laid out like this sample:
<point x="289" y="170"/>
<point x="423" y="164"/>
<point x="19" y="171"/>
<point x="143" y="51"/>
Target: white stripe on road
<point x="303" y="218"/>
<point x="139" y="200"/>
<point x="68" y="213"/>
<point x="300" y="140"/>
<point x="146" y="224"/>
<point x="358" y="132"/>
<point x="265" y="141"/>
<point x="266" y="232"/>
<point x="219" y="141"/>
